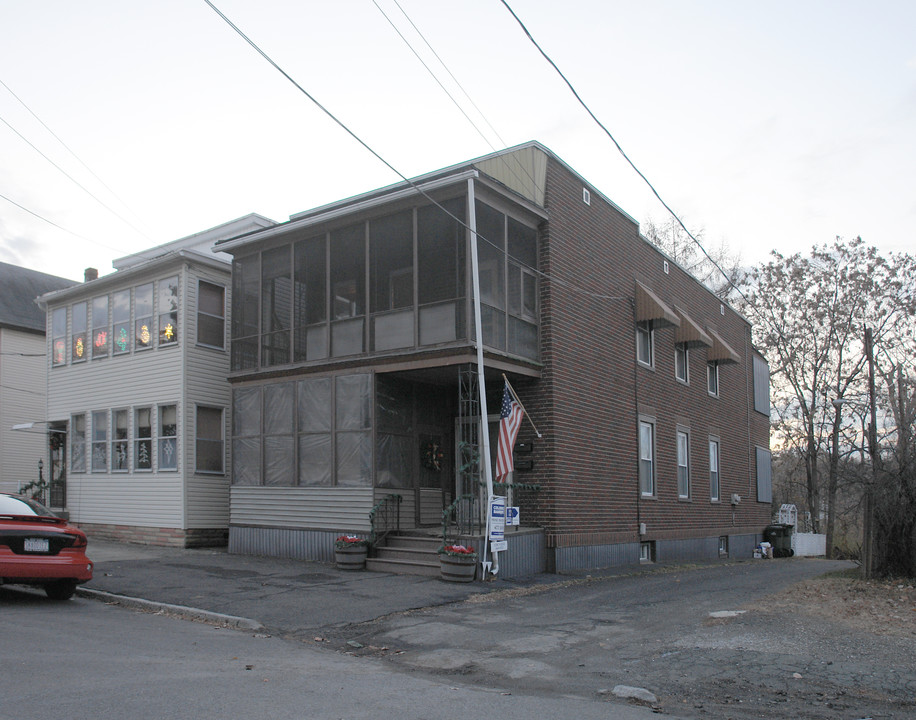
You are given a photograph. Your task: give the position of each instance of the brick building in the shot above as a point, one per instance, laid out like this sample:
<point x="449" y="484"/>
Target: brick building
<point x="353" y="373"/>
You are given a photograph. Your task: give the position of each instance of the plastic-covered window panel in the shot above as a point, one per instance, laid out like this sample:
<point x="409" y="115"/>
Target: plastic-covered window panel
<point x="393" y="405"/>
<point x="352" y="402"/>
<point x="354" y="455"/>
<point x="393" y="461"/>
<point x="246" y="461"/>
<point x="315" y="460"/>
<point x="279" y="453"/>
<point x="315" y="405"/>
<point x="246" y="412"/>
<point x="278" y="408"/>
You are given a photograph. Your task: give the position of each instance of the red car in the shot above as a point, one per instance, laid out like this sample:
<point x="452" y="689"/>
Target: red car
<point x="39" y="548"/>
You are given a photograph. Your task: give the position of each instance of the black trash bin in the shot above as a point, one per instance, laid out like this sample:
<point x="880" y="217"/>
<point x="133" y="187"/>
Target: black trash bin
<point x="780" y="537"/>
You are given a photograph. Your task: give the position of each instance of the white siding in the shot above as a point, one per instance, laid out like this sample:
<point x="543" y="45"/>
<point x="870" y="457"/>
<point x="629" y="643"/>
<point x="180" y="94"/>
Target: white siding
<point x="303" y="507"/>
<point x="205" y="383"/>
<point x="22" y="399"/>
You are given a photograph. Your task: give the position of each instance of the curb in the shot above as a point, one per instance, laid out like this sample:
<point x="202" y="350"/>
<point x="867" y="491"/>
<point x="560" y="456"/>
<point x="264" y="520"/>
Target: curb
<point x="189" y="613"/>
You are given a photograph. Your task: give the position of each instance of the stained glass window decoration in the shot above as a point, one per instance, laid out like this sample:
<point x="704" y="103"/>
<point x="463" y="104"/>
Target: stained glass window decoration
<point x="168" y="439"/>
<point x="100" y="331"/>
<point x="168" y="311"/>
<point x="143" y="439"/>
<point x="79" y="323"/>
<point x="143" y="311"/>
<point x="120" y="318"/>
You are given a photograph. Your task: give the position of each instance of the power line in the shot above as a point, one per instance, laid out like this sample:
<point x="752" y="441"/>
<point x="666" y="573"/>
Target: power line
<point x="68" y="148"/>
<point x="391" y="167"/>
<point x="620" y="149"/>
<point x="51" y="222"/>
<point x="74" y="180"/>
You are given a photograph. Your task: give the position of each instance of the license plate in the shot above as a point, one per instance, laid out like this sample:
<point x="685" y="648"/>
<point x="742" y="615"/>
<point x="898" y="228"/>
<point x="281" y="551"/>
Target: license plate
<point x="36" y="545"/>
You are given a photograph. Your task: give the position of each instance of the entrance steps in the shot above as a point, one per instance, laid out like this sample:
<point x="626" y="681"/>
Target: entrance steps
<point x="406" y="554"/>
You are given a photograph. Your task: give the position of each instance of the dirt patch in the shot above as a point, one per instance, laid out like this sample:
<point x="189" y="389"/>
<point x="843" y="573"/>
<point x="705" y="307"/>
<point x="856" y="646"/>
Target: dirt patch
<point x="881" y="607"/>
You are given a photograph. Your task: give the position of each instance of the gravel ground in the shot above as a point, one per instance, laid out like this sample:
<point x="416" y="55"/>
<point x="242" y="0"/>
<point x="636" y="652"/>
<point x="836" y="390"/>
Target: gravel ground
<point x="706" y="642"/>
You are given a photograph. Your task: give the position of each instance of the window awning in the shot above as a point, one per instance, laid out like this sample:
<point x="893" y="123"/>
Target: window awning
<point x="649" y="308"/>
<point x="689" y="334"/>
<point x="720" y="351"/>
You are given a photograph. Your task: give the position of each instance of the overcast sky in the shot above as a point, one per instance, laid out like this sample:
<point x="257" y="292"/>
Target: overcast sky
<point x="772" y="125"/>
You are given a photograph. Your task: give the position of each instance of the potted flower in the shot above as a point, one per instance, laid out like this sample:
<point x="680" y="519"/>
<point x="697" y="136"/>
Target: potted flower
<point x="457" y="563"/>
<point x="350" y="552"/>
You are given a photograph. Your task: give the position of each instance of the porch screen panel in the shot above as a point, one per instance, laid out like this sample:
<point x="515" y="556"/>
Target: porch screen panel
<point x="348" y="290"/>
<point x="353" y="439"/>
<point x="276" y="305"/>
<point x="246" y="274"/>
<point x="522" y="331"/>
<point x="316" y="458"/>
<point x="246" y="436"/>
<point x="393" y="461"/>
<point x="491" y="257"/>
<point x="279" y="451"/>
<point x="310" y="303"/>
<point x="441" y="267"/>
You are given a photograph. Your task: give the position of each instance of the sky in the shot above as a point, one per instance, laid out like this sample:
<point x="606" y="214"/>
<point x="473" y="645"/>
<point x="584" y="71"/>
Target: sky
<point x="767" y="126"/>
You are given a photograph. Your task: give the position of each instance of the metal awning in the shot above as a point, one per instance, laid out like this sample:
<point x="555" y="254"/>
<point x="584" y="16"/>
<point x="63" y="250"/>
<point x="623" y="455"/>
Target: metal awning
<point x="720" y="351"/>
<point x="649" y="308"/>
<point x="689" y="334"/>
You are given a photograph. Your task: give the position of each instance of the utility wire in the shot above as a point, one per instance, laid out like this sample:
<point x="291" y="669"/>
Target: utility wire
<point x="508" y="167"/>
<point x="68" y="148"/>
<point x="74" y="180"/>
<point x="51" y="222"/>
<point x="620" y="149"/>
<point x="390" y="166"/>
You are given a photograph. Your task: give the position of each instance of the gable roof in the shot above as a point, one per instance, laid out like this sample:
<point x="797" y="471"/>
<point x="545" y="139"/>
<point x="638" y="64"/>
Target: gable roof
<point x="19" y="288"/>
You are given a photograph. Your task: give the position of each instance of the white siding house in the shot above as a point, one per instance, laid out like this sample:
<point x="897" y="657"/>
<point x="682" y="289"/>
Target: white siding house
<point x="137" y="367"/>
<point x="22" y="375"/>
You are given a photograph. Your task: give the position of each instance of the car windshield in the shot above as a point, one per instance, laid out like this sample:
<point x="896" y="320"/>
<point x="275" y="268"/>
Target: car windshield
<point x="10" y="505"/>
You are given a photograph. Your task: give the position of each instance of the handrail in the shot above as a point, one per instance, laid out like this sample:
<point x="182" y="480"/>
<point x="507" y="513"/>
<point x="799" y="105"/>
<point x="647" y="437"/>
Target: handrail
<point x="381" y="515"/>
<point x="462" y="520"/>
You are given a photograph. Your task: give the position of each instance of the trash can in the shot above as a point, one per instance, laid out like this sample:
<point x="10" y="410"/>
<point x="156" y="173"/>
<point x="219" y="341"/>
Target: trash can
<point x="779" y="535"/>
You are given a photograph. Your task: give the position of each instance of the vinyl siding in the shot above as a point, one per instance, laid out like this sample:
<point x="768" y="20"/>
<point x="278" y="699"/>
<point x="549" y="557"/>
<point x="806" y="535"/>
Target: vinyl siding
<point x="303" y="507"/>
<point x="22" y="399"/>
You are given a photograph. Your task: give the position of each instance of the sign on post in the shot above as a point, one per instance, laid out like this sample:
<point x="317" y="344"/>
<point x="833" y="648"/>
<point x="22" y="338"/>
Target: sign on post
<point x="497" y="518"/>
<point x="512" y="516"/>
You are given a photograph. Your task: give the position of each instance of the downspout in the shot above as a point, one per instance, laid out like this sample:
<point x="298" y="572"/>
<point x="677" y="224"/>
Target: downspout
<point x="636" y="408"/>
<point x="481" y="384"/>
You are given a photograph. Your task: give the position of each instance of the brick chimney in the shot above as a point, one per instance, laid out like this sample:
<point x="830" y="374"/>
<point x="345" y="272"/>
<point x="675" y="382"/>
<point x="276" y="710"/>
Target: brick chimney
<point x="90" y="274"/>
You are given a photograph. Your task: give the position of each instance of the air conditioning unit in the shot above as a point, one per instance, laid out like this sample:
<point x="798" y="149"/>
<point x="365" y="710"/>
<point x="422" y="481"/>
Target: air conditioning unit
<point x="736" y="498"/>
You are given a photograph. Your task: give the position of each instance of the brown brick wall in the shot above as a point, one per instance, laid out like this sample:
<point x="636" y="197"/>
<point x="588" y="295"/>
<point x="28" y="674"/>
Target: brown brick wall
<point x="167" y="537"/>
<point x="586" y="402"/>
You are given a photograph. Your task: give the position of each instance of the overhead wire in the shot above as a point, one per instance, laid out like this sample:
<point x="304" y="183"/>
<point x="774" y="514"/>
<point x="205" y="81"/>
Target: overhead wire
<point x="51" y="222"/>
<point x="620" y="149"/>
<point x="387" y="164"/>
<point x="67" y="148"/>
<point x="74" y="180"/>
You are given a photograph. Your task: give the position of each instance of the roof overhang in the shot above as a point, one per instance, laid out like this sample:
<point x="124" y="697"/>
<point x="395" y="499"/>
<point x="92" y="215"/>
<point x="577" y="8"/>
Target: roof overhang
<point x="720" y="351"/>
<point x="689" y="334"/>
<point x="650" y="308"/>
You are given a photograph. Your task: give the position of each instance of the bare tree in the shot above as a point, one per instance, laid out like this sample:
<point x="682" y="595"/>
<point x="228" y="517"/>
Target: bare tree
<point x="809" y="313"/>
<point x="718" y="268"/>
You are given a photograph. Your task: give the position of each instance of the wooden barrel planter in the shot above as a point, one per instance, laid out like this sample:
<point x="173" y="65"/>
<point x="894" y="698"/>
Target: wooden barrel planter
<point x="351" y="558"/>
<point x="457" y="568"/>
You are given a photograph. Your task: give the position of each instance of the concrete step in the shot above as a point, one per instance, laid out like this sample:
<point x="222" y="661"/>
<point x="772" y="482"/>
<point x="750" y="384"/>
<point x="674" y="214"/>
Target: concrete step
<point x="418" y="542"/>
<point x="407" y="553"/>
<point x="403" y="567"/>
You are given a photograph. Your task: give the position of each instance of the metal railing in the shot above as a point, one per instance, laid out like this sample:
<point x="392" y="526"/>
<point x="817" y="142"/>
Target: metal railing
<point x="384" y="517"/>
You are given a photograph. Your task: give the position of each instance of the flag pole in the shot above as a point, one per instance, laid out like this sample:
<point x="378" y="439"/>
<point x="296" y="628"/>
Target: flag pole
<point x="512" y="390"/>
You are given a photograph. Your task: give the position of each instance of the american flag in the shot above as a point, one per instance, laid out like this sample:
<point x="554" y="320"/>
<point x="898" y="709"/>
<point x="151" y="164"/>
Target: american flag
<point x="510" y="420"/>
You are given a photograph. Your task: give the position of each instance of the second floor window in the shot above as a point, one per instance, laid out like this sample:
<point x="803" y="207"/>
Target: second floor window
<point x="644" y="344"/>
<point x="168" y="311"/>
<point x="211" y="315"/>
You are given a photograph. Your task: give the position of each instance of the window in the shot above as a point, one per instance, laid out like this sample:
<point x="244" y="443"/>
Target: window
<point x="120" y="320"/>
<point x="683" y="465"/>
<point x="143" y="307"/>
<point x="714" y="492"/>
<point x="78" y="443"/>
<point x="119" y="441"/>
<point x="647" y="458"/>
<point x="59" y="336"/>
<point x="712" y="378"/>
<point x="644" y="343"/>
<point x="246" y="277"/>
<point x="348" y="290"/>
<point x="682" y="363"/>
<point x="211" y="315"/>
<point x="143" y="439"/>
<point x="310" y="301"/>
<point x="78" y="340"/>
<point x="168" y="437"/>
<point x="168" y="311"/>
<point x="100" y="442"/>
<point x="209" y="440"/>
<point x="764" y="476"/>
<point x="315" y="445"/>
<point x="279" y="428"/>
<point x="761" y="386"/>
<point x="100" y="327"/>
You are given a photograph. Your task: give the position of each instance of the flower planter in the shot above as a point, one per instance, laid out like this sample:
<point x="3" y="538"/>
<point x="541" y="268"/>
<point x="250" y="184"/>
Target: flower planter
<point x="457" y="568"/>
<point x="351" y="558"/>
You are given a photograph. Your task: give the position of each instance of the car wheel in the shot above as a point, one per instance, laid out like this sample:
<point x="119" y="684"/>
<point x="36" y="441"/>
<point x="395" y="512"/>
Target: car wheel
<point x="60" y="589"/>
